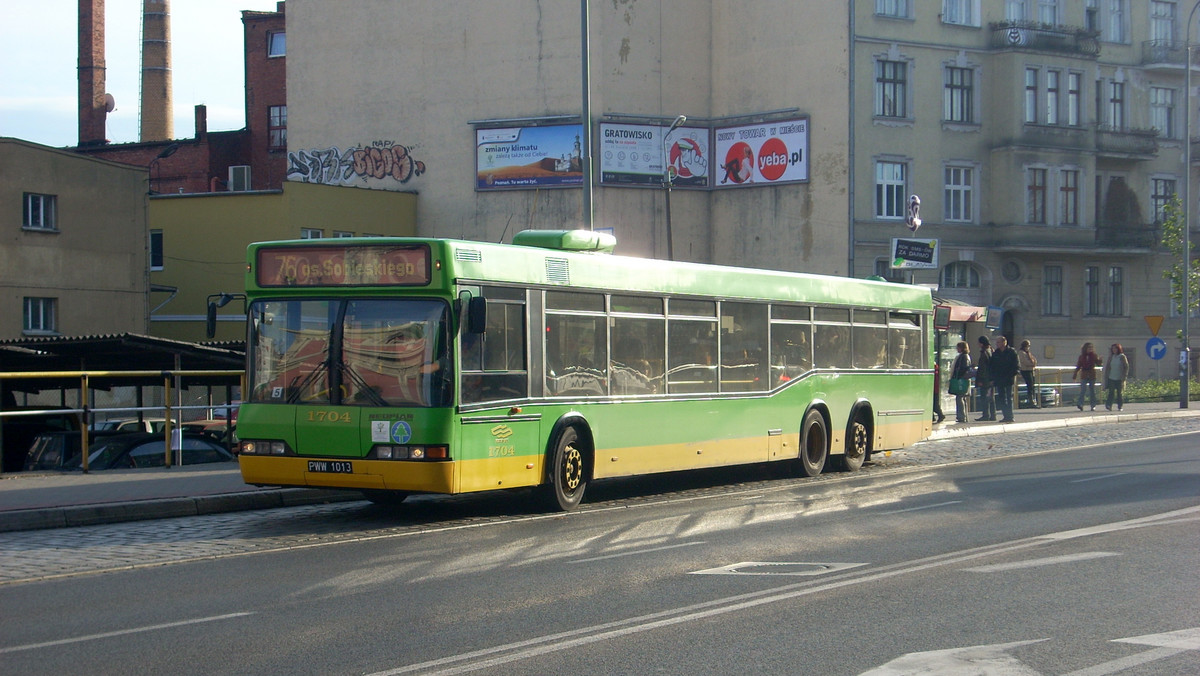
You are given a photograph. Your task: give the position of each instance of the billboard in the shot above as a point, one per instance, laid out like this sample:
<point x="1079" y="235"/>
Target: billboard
<point x="517" y="158"/>
<point x="633" y="154"/>
<point x="914" y="254"/>
<point x="761" y="154"/>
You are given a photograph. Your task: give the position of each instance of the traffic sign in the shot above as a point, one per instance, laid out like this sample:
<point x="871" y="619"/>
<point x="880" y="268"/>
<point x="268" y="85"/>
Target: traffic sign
<point x="1156" y="348"/>
<point x="1155" y="323"/>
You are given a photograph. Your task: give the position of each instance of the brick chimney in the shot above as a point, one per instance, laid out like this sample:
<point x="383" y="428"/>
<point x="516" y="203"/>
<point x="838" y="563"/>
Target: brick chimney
<point x="92" y="111"/>
<point x="157" y="123"/>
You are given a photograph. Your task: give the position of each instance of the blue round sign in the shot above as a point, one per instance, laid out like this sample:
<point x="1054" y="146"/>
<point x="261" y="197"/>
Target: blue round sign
<point x="401" y="432"/>
<point x="1156" y="348"/>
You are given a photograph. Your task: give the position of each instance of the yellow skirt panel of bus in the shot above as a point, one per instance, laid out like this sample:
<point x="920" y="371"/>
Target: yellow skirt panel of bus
<point x="493" y="473"/>
<point x="436" y="477"/>
<point x="672" y="457"/>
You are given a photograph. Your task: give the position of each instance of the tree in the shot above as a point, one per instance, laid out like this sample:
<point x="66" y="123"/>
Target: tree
<point x="1172" y="240"/>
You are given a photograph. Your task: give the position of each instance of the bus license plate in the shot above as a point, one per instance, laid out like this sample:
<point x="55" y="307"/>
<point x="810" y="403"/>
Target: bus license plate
<point x="330" y="467"/>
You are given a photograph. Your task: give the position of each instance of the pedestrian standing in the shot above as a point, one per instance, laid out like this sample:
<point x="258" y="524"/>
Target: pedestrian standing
<point x="938" y="416"/>
<point x="961" y="369"/>
<point x="1004" y="368"/>
<point x="1085" y="373"/>
<point x="983" y="381"/>
<point x="1115" y="375"/>
<point x="1028" y="363"/>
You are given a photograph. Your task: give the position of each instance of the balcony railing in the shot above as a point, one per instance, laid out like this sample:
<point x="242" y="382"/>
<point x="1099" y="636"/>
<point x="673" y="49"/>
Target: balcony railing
<point x="1140" y="237"/>
<point x="1127" y="142"/>
<point x="1044" y="37"/>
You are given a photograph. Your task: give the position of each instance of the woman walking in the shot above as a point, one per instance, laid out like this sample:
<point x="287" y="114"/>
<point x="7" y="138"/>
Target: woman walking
<point x="1115" y="376"/>
<point x="1085" y="373"/>
<point x="961" y="369"/>
<point x="1027" y="363"/>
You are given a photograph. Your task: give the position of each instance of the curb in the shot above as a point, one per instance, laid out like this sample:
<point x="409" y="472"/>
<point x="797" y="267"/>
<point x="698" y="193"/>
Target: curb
<point x="141" y="510"/>
<point x="982" y="429"/>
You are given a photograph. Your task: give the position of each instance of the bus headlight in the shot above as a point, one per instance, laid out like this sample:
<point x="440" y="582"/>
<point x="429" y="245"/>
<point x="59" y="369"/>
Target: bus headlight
<point x="409" y="452"/>
<point x="264" y="447"/>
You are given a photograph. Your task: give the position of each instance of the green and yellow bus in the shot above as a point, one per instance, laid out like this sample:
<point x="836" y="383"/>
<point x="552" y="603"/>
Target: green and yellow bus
<point x="395" y="366"/>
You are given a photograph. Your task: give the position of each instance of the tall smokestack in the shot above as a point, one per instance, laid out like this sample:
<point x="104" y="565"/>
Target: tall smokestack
<point x="156" y="123"/>
<point x="92" y="111"/>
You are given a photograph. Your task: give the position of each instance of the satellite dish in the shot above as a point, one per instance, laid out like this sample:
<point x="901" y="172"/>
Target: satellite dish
<point x="110" y="104"/>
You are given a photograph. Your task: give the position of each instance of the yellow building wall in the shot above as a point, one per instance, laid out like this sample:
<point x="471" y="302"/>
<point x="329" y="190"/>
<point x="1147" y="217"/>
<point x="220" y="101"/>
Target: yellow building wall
<point x="205" y="238"/>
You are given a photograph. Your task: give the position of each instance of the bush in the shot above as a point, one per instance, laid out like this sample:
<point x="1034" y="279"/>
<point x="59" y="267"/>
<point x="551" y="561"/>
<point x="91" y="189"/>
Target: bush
<point x="1157" y="390"/>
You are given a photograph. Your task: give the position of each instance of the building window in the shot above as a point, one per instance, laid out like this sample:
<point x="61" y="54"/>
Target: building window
<point x="1036" y="195"/>
<point x="1162" y="23"/>
<point x="1031" y="95"/>
<point x="959" y="193"/>
<point x="342" y="233"/>
<point x="1052" y="290"/>
<point x="311" y="233"/>
<point x="1014" y="10"/>
<point x="1162" y="111"/>
<point x="889" y="189"/>
<point x="1117" y="18"/>
<point x="277" y="127"/>
<point x="239" y="178"/>
<point x="891" y="89"/>
<point x="1116" y="105"/>
<point x="892" y="8"/>
<point x="1052" y="77"/>
<point x="276" y="44"/>
<point x="960" y="275"/>
<point x="39" y="315"/>
<point x="960" y="12"/>
<point x="39" y="212"/>
<point x="1116" y="291"/>
<point x="156" y="249"/>
<point x="884" y="269"/>
<point x="1048" y="12"/>
<point x="959" y="94"/>
<point x="1162" y="191"/>
<point x="1068" y="197"/>
<point x="1074" y="98"/>
<point x="1091" y="290"/>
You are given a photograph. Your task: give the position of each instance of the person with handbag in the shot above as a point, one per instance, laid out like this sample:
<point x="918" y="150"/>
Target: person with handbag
<point x="1115" y="375"/>
<point x="960" y="383"/>
<point x="1085" y="373"/>
<point x="1028" y="363"/>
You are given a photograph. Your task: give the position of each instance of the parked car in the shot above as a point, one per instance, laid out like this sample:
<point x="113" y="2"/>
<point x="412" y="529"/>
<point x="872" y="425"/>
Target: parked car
<point x="1047" y="395"/>
<point x="20" y="431"/>
<point x="60" y="450"/>
<point x="219" y="430"/>
<point x="130" y="425"/>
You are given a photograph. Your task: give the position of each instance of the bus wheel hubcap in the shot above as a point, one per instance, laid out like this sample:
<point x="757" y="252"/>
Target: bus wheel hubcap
<point x="572" y="471"/>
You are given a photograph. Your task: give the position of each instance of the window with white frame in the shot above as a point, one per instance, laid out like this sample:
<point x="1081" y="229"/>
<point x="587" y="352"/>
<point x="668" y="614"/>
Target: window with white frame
<point x="1091" y="15"/>
<point x="1035" y="195"/>
<point x="1052" y="290"/>
<point x="960" y="12"/>
<point x="1162" y="191"/>
<point x="1092" y="305"/>
<point x="960" y="275"/>
<point x="1162" y="22"/>
<point x="891" y="88"/>
<point x="1068" y="197"/>
<point x="1116" y="291"/>
<point x="1048" y="12"/>
<point x="156" y="249"/>
<point x="39" y="315"/>
<point x="277" y="127"/>
<point x="1014" y="10"/>
<point x="1074" y="98"/>
<point x="342" y="233"/>
<point x="311" y="233"/>
<point x="1162" y="111"/>
<point x="890" y="189"/>
<point x="276" y="44"/>
<point x="1116" y="105"/>
<point x="1117" y="28"/>
<point x="959" y="195"/>
<point x="959" y="95"/>
<point x="894" y="8"/>
<point x="1052" y="87"/>
<point x="1031" y="95"/>
<point x="39" y="211"/>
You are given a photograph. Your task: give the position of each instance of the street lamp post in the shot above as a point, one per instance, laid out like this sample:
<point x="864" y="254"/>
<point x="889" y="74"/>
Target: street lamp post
<point x="668" y="180"/>
<point x="1184" y="356"/>
<point x="585" y="114"/>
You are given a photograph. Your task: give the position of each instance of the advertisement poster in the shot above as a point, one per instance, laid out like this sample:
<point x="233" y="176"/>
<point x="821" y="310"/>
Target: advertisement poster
<point x="528" y="157"/>
<point x="633" y="154"/>
<point x="761" y="154"/>
<point x="914" y="254"/>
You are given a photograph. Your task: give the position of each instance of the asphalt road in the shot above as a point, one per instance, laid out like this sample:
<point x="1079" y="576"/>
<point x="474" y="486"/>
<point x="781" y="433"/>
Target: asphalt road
<point x="1065" y="562"/>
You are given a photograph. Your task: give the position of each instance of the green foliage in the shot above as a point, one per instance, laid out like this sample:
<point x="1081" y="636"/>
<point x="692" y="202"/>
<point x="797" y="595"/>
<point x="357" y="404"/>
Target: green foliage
<point x="1172" y="240"/>
<point x="1158" y="390"/>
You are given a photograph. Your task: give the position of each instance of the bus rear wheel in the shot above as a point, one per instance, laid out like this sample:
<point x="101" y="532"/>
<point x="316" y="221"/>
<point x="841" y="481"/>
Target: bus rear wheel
<point x="568" y="472"/>
<point x="814" y="444"/>
<point x="381" y="497"/>
<point x="858" y="445"/>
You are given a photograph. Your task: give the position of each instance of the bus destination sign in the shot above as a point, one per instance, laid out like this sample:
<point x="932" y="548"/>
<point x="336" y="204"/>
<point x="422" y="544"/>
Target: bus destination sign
<point x="343" y="266"/>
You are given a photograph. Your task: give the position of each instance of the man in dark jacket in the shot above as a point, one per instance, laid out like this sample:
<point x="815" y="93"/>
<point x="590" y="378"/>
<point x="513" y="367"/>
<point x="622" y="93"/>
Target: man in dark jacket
<point x="983" y="381"/>
<point x="1004" y="368"/>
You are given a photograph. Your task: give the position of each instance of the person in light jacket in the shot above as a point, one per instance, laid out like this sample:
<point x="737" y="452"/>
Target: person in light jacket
<point x="1028" y="363"/>
<point x="1115" y="376"/>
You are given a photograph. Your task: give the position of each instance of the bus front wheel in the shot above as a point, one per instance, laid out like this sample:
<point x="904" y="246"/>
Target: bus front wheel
<point x="568" y="473"/>
<point x="814" y="444"/>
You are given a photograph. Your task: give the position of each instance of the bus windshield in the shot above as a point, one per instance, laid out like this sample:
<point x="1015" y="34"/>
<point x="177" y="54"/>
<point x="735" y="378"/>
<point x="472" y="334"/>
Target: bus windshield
<point x="364" y="352"/>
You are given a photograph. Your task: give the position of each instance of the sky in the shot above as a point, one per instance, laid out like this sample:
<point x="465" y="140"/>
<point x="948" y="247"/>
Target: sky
<point x="39" y="50"/>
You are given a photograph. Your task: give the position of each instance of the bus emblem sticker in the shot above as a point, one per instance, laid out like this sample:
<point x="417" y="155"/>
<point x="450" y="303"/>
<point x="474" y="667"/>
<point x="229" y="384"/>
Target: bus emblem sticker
<point x="401" y="432"/>
<point x="380" y="432"/>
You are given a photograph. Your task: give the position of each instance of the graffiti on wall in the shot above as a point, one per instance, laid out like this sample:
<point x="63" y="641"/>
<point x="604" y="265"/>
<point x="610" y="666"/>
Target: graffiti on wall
<point x="381" y="160"/>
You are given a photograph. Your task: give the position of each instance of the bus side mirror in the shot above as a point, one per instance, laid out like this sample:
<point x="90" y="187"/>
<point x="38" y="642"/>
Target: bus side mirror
<point x="210" y="320"/>
<point x="477" y="315"/>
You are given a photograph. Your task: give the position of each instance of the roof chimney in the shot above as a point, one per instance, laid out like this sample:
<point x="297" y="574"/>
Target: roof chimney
<point x="157" y="123"/>
<point x="92" y="104"/>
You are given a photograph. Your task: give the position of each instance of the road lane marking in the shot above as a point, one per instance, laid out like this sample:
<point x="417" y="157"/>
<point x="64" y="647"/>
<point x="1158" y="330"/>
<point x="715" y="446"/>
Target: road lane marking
<point x="792" y="568"/>
<point x="1098" y="478"/>
<point x="123" y="632"/>
<point x="1035" y="563"/>
<point x="636" y="552"/>
<point x="917" y="509"/>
